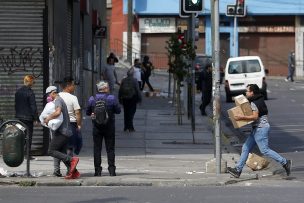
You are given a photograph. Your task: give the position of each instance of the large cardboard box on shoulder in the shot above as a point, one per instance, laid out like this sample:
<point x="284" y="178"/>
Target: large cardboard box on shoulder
<point x="243" y="102"/>
<point x="237" y="111"/>
<point x="242" y="108"/>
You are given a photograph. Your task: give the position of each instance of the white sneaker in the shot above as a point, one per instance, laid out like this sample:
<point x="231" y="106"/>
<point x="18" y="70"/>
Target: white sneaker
<point x="286" y="80"/>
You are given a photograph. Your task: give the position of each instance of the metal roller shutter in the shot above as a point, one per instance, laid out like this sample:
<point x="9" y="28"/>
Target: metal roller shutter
<point x="21" y="53"/>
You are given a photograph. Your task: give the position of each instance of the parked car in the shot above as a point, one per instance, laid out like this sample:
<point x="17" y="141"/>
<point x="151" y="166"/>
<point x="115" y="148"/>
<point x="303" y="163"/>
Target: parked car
<point x="241" y="71"/>
<point x="201" y="61"/>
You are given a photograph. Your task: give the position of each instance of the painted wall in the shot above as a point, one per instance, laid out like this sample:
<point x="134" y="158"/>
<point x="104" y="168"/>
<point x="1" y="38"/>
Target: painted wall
<point x="256" y="7"/>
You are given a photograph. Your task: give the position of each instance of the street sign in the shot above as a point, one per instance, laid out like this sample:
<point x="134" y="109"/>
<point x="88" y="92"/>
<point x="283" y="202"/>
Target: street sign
<point x="101" y="32"/>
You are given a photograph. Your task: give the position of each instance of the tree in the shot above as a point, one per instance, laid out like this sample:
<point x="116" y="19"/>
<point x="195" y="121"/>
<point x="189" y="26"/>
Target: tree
<point x="180" y="54"/>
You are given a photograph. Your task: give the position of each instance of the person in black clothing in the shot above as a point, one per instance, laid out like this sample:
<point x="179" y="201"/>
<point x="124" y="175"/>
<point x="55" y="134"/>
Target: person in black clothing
<point x="291" y="66"/>
<point x="206" y="88"/>
<point x="112" y="55"/>
<point x="129" y="95"/>
<point x="104" y="131"/>
<point x="25" y="106"/>
<point x="147" y="68"/>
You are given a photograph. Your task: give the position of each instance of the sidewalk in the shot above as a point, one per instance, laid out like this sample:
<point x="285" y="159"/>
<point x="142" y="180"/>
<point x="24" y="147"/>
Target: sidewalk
<point x="159" y="153"/>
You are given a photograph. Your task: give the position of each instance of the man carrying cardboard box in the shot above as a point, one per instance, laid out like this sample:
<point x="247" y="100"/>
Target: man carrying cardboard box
<point x="259" y="133"/>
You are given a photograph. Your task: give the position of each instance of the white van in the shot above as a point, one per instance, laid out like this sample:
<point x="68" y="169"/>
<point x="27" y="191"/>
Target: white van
<point x="242" y="71"/>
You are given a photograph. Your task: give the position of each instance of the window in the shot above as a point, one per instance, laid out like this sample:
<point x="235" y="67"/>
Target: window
<point x="248" y="66"/>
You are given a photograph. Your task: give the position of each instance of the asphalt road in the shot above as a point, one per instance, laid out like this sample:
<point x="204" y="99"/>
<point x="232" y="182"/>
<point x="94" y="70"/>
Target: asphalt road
<point x="231" y="194"/>
<point x="286" y="115"/>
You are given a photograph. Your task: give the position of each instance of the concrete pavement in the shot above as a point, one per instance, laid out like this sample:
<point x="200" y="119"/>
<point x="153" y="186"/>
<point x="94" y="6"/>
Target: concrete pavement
<point x="159" y="153"/>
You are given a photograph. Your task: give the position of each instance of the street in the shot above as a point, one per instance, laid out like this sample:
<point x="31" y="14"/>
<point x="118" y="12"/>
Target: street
<point x="286" y="115"/>
<point x="232" y="194"/>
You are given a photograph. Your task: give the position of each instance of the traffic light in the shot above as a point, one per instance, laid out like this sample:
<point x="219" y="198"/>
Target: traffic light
<point x="240" y="8"/>
<point x="182" y="13"/>
<point x="193" y="6"/>
<point x="230" y="10"/>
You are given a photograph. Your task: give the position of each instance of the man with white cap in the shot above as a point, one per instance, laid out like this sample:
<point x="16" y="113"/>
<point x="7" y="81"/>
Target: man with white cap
<point x="106" y="130"/>
<point x="57" y="148"/>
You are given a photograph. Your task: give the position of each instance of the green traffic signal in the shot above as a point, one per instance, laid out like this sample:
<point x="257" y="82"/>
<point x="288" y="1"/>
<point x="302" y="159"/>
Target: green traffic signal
<point x="193" y="6"/>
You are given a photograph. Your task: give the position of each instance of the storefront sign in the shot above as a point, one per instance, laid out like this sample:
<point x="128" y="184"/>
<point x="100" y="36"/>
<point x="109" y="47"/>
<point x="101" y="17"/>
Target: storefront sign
<point x="157" y="25"/>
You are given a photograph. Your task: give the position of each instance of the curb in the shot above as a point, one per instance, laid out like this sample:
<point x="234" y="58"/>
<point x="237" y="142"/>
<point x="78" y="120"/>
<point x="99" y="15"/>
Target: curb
<point x="116" y="183"/>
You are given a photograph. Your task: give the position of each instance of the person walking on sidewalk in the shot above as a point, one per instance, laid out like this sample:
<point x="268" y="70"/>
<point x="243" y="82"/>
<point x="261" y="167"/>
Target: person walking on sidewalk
<point x="147" y="68"/>
<point x="137" y="72"/>
<point x="102" y="108"/>
<point x="109" y="74"/>
<point x="205" y="79"/>
<point x="129" y="95"/>
<point x="291" y="66"/>
<point x="259" y="133"/>
<point x="25" y="106"/>
<point x="74" y="111"/>
<point x="57" y="148"/>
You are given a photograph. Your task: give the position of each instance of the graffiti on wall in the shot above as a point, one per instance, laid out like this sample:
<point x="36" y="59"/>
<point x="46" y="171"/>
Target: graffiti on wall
<point x="27" y="59"/>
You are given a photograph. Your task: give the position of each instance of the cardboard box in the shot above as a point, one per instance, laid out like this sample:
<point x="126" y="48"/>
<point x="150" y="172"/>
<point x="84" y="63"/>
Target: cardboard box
<point x="256" y="162"/>
<point x="243" y="102"/>
<point x="237" y="111"/>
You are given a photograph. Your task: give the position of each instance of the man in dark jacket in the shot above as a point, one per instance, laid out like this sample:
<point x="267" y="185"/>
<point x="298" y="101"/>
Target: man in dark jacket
<point x="25" y="106"/>
<point x="104" y="131"/>
<point x="147" y="67"/>
<point x="129" y="95"/>
<point x="206" y="87"/>
<point x="259" y="133"/>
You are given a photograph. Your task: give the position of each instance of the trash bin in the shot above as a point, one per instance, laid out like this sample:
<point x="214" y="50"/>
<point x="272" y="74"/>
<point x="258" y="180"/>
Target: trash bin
<point x="13" y="144"/>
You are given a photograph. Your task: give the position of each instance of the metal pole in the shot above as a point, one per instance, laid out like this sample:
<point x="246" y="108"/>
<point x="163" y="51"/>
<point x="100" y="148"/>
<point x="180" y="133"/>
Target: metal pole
<point x="28" y="174"/>
<point x="216" y="82"/>
<point x="169" y="85"/>
<point x="129" y="33"/>
<point x="193" y="75"/>
<point x="234" y="36"/>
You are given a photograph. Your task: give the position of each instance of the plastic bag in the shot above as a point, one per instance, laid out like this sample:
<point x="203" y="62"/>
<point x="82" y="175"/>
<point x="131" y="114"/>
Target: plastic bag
<point x="53" y="124"/>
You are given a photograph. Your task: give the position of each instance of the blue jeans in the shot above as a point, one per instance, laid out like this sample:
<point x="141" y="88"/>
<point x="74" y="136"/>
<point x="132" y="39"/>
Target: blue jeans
<point x="258" y="136"/>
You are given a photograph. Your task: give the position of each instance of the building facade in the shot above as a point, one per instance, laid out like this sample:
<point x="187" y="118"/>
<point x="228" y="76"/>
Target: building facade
<point x="271" y="29"/>
<point x="50" y="39"/>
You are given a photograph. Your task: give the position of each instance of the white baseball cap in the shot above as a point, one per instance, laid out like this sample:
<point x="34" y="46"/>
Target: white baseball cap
<point x="50" y="89"/>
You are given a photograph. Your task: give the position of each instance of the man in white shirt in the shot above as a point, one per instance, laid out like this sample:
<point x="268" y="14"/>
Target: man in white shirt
<point x="74" y="111"/>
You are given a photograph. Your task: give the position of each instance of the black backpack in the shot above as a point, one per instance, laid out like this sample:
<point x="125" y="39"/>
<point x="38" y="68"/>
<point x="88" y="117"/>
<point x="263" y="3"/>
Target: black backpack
<point x="127" y="89"/>
<point x="100" y="111"/>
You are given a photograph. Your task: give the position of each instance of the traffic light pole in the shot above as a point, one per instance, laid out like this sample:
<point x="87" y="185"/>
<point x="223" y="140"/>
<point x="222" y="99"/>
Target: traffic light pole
<point x="193" y="75"/>
<point x="234" y="36"/>
<point x="216" y="82"/>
